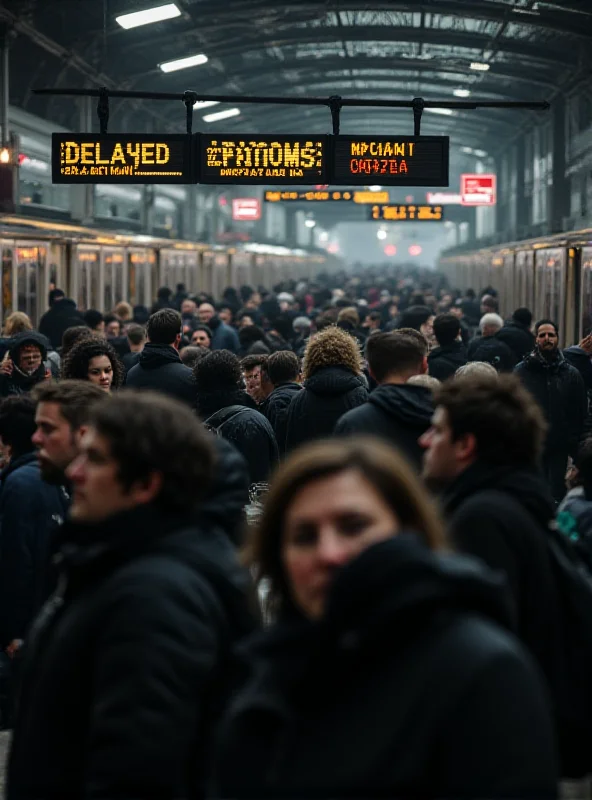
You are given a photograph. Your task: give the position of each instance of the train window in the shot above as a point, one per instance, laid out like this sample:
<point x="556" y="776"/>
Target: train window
<point x="6" y="282"/>
<point x="87" y="269"/>
<point x="586" y="291"/>
<point x="30" y="261"/>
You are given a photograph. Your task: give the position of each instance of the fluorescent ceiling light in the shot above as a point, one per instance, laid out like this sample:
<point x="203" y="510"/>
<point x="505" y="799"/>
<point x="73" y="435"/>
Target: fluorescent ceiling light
<point x="479" y="66"/>
<point x="381" y="234"/>
<point x="461" y="92"/>
<point x="375" y="188"/>
<point x="480" y="153"/>
<point x="468" y="150"/>
<point x="149" y="15"/>
<point x="310" y="223"/>
<point x="183" y="63"/>
<point x="445" y="112"/>
<point x="218" y="115"/>
<point x="205" y="104"/>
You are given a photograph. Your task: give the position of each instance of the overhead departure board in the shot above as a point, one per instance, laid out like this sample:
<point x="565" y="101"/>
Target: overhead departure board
<point x="391" y="160"/>
<point x="121" y="158"/>
<point x="407" y="213"/>
<point x="253" y="158"/>
<point x="326" y="196"/>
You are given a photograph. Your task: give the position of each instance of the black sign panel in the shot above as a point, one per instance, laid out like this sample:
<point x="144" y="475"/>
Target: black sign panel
<point x="391" y="160"/>
<point x="254" y="158"/>
<point x="121" y="158"/>
<point x="406" y="213"/>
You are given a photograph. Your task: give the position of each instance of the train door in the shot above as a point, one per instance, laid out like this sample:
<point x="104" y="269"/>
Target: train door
<point x="86" y="276"/>
<point x="525" y="294"/>
<point x="192" y="281"/>
<point x="220" y="276"/>
<point x="550" y="287"/>
<point x="138" y="276"/>
<point x="31" y="278"/>
<point x="8" y="258"/>
<point x="585" y="306"/>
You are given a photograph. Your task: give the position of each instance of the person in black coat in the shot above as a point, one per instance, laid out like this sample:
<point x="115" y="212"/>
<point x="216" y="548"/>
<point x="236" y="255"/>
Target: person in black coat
<point x="517" y="335"/>
<point x="489" y="348"/>
<point x="389" y="664"/>
<point x="333" y="384"/>
<point x="283" y="372"/>
<point x="25" y="366"/>
<point x="130" y="664"/>
<point x="444" y="360"/>
<point x="560" y="392"/>
<point x="159" y="366"/>
<point x="396" y="411"/>
<point x="482" y="454"/>
<point x="225" y="408"/>
<point x="62" y="314"/>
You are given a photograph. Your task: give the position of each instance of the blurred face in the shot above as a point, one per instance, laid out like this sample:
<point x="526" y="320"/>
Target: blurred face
<point x="29" y="358"/>
<point x="253" y="383"/>
<point x="206" y="312"/>
<point x="201" y="338"/>
<point x="55" y="442"/>
<point x="100" y="371"/>
<point x="547" y="340"/>
<point x="225" y="315"/>
<point x="457" y="311"/>
<point x="329" y="522"/>
<point x="100" y="328"/>
<point x="113" y="329"/>
<point x="428" y="327"/>
<point x="97" y="490"/>
<point x="444" y="459"/>
<point x="245" y="322"/>
<point x="188" y="307"/>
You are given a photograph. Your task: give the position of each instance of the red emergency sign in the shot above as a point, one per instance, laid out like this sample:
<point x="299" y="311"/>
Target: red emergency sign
<point x="478" y="190"/>
<point x="246" y="209"/>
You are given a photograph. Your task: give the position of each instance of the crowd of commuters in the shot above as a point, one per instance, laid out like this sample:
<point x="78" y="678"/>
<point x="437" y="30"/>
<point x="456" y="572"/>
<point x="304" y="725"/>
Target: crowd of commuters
<point x="409" y="612"/>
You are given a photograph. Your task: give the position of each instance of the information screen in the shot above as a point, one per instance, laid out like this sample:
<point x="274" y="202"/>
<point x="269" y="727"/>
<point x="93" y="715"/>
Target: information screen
<point x="410" y="213"/>
<point x="253" y="158"/>
<point x="326" y="196"/>
<point x="121" y="158"/>
<point x="391" y="161"/>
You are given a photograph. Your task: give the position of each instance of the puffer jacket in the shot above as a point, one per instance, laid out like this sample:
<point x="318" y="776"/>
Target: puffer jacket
<point x="275" y="408"/>
<point x="326" y="396"/>
<point x="159" y="368"/>
<point x="518" y="337"/>
<point x="443" y="361"/>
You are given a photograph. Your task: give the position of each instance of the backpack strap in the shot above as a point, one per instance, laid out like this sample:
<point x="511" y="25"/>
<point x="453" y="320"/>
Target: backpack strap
<point x="219" y="418"/>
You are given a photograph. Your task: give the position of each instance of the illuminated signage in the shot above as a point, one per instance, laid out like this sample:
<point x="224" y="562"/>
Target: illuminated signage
<point x="407" y="213"/>
<point x="316" y="196"/>
<point x="254" y="158"/>
<point x="246" y="209"/>
<point x="121" y="158"/>
<point x="443" y="198"/>
<point x="391" y="161"/>
<point x="478" y="190"/>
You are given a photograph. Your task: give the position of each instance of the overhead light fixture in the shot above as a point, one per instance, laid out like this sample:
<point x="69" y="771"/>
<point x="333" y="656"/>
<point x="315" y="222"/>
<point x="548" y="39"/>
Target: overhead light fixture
<point x="5" y="156"/>
<point x="445" y="112"/>
<point x="375" y="188"/>
<point x="468" y="150"/>
<point x="480" y="153"/>
<point x="310" y="223"/>
<point x="461" y="92"/>
<point x="147" y="16"/>
<point x="218" y="115"/>
<point x="381" y="234"/>
<point x="184" y="63"/>
<point x="479" y="66"/>
<point x="205" y="104"/>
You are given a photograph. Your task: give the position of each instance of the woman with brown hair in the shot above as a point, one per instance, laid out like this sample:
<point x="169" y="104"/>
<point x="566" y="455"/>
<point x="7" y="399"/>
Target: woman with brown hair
<point x="333" y="384"/>
<point x="388" y="672"/>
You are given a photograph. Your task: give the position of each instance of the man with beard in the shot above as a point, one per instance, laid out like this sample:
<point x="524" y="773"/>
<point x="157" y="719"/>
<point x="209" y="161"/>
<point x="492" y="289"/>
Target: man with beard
<point x="560" y="392"/>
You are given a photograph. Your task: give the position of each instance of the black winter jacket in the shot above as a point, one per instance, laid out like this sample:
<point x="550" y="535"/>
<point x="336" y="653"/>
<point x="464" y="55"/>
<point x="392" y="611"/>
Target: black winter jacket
<point x="399" y="414"/>
<point x="61" y="316"/>
<point x="501" y="515"/>
<point x="224" y="336"/>
<point x="559" y="390"/>
<point x="30" y="509"/>
<point x="129" y="665"/>
<point x="19" y="382"/>
<point x="444" y="361"/>
<point x="518" y="337"/>
<point x="275" y="408"/>
<point x="248" y="430"/>
<point x="493" y="351"/>
<point x="229" y="492"/>
<point x="326" y="396"/>
<point x="160" y="368"/>
<point x="394" y="693"/>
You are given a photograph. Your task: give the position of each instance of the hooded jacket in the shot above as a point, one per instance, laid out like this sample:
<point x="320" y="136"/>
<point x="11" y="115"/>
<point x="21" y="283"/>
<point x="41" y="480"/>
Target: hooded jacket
<point x="493" y="351"/>
<point x="62" y="315"/>
<point x="19" y="382"/>
<point x="160" y="368"/>
<point x="393" y="693"/>
<point x="443" y="361"/>
<point x="326" y="396"/>
<point x="247" y="429"/>
<point x="518" y="337"/>
<point x="559" y="390"/>
<point x="130" y="664"/>
<point x="275" y="408"/>
<point x="398" y="413"/>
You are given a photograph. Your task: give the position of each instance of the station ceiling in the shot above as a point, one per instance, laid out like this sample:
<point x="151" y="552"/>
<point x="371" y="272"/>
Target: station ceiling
<point x="531" y="50"/>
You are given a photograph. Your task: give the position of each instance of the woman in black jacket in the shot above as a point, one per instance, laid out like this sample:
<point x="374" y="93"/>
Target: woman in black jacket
<point x="333" y="384"/>
<point x="389" y="672"/>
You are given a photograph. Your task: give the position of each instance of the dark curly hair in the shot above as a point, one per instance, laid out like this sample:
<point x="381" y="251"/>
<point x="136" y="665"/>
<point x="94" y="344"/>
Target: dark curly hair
<point x="75" y="365"/>
<point x="220" y="369"/>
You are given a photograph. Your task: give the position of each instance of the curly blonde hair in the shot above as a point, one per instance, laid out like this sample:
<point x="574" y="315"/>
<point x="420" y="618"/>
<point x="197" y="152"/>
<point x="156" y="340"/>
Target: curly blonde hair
<point x="331" y="347"/>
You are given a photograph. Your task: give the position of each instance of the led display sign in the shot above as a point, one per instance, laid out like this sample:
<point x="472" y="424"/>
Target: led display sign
<point x="254" y="158"/>
<point x="391" y="161"/>
<point x="326" y="196"/>
<point x="121" y="158"/>
<point x="407" y="213"/>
